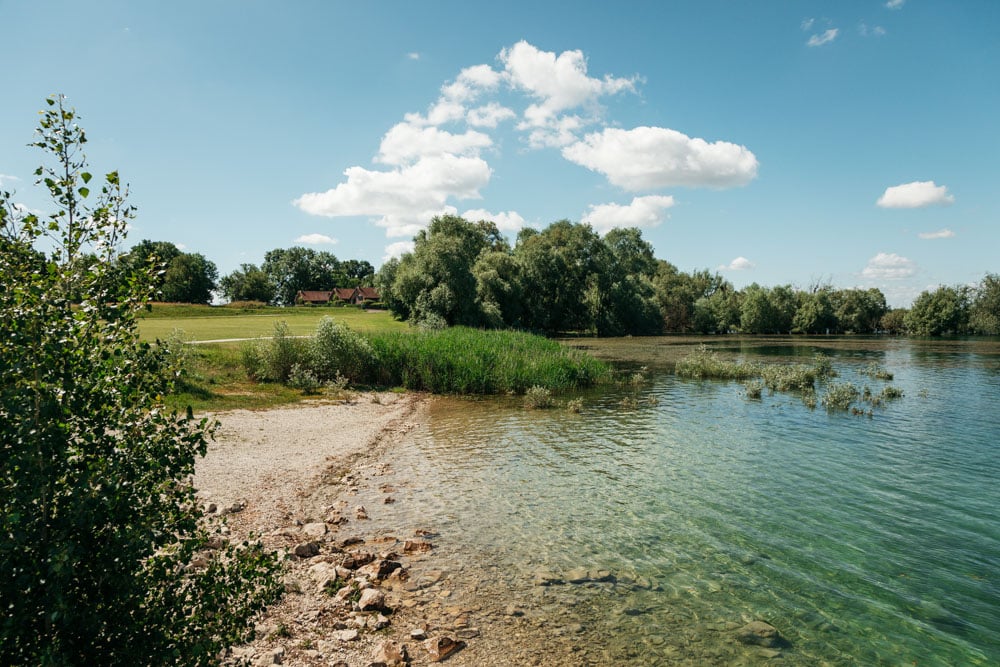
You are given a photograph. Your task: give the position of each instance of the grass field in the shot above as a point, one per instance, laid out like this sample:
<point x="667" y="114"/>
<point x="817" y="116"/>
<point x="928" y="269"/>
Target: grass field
<point x="215" y="323"/>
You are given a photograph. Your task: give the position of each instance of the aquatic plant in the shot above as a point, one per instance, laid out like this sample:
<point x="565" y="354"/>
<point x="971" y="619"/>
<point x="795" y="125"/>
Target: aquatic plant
<point x="754" y="389"/>
<point x="703" y="364"/>
<point x="876" y="371"/>
<point x="575" y="405"/>
<point x="839" y="396"/>
<point x="538" y="398"/>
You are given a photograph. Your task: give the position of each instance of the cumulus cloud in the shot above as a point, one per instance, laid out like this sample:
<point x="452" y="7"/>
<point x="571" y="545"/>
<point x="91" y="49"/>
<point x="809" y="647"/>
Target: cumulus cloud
<point x="914" y="195"/>
<point x="870" y="31"/>
<point x="823" y="38"/>
<point x="316" y="239"/>
<point x="940" y="234"/>
<point x="656" y="157"/>
<point x="506" y="221"/>
<point x="397" y="249"/>
<point x="405" y="199"/>
<point x="558" y="83"/>
<point x="889" y="266"/>
<point x="406" y="143"/>
<point x="641" y="212"/>
<point x="895" y="4"/>
<point x="489" y="115"/>
<point x="738" y="264"/>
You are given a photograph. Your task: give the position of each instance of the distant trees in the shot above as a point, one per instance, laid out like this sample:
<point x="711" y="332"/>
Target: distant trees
<point x="179" y="276"/>
<point x="943" y="311"/>
<point x="247" y="283"/>
<point x="984" y="317"/>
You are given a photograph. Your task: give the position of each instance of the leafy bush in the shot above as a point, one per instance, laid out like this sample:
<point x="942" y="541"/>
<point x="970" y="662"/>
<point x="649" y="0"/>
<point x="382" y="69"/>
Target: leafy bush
<point x="106" y="557"/>
<point x="538" y="398"/>
<point x="839" y="396"/>
<point x="303" y="379"/>
<point x="336" y="350"/>
<point x="754" y="389"/>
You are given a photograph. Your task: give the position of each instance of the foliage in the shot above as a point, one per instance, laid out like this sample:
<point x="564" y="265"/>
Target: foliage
<point x="754" y="389"/>
<point x="538" y="398"/>
<point x="943" y="311"/>
<point x="335" y="350"/>
<point x="984" y="317"/>
<point x="839" y="396"/>
<point x="104" y="558"/>
<point x="876" y="371"/>
<point x="290" y="270"/>
<point x="303" y="379"/>
<point x="247" y="283"/>
<point x="189" y="278"/>
<point x="272" y="359"/>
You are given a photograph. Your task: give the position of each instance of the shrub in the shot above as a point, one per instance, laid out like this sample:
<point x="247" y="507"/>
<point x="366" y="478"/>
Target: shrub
<point x="336" y="350"/>
<point x="538" y="398"/>
<point x="877" y="372"/>
<point x="839" y="396"/>
<point x="754" y="389"/>
<point x="303" y="379"/>
<point x="102" y="533"/>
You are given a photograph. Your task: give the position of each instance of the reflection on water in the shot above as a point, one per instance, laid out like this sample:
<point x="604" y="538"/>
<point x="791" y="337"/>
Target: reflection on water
<point x="864" y="541"/>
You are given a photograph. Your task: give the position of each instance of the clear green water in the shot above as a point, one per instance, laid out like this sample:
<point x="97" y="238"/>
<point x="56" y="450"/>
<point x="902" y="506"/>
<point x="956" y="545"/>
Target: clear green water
<point x="863" y="540"/>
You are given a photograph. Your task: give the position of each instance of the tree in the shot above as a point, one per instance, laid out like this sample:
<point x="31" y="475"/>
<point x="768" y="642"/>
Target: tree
<point x="767" y="311"/>
<point x="290" y="270"/>
<point x="985" y="315"/>
<point x="435" y="282"/>
<point x="147" y="254"/>
<point x="943" y="311"/>
<point x="859" y="311"/>
<point x="247" y="283"/>
<point x="561" y="265"/>
<point x="104" y="557"/>
<point x="190" y="278"/>
<point x="815" y="314"/>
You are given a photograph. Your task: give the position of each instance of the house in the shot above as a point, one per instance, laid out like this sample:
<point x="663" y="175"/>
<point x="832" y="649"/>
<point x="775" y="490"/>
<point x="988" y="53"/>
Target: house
<point x="313" y="297"/>
<point x="353" y="295"/>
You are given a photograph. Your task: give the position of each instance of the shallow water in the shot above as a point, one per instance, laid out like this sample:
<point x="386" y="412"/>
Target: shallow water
<point x="863" y="540"/>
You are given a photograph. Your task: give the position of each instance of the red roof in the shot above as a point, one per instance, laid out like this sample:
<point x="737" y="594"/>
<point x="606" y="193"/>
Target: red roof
<point x="369" y="293"/>
<point x="313" y="295"/>
<point x="344" y="293"/>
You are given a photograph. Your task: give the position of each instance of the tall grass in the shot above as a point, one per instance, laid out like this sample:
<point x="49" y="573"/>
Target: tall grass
<point x="457" y="360"/>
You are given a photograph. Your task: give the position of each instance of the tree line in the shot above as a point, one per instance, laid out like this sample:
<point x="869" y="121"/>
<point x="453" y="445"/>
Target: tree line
<point x="567" y="278"/>
<point x="185" y="277"/>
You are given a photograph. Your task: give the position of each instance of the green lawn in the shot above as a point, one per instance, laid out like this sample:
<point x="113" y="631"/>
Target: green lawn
<point x="215" y="323"/>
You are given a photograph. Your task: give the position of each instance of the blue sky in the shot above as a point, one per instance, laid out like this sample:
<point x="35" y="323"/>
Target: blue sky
<point x="852" y="142"/>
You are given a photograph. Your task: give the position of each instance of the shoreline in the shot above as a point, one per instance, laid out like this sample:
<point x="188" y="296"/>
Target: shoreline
<point x="312" y="482"/>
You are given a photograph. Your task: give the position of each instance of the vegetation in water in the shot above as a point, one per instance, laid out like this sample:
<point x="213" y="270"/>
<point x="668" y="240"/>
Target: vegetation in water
<point x="877" y="371"/>
<point x="538" y="398"/>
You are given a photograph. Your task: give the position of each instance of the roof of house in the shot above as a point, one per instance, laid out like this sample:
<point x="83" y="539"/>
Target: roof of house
<point x="369" y="293"/>
<point x="313" y="295"/>
<point x="344" y="293"/>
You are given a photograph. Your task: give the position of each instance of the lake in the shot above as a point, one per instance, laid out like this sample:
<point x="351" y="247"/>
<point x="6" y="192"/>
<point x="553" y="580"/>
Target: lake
<point x="651" y="526"/>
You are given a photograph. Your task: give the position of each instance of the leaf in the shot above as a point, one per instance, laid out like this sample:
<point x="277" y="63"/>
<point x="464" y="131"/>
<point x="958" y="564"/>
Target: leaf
<point x="85" y="177"/>
<point x="84" y="192"/>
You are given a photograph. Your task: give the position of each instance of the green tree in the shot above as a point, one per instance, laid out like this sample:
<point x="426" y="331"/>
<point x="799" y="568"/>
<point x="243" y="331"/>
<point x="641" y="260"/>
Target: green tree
<point x="984" y="317"/>
<point x="290" y="270"/>
<point x="499" y="288"/>
<point x="894" y="321"/>
<point x="247" y="283"/>
<point x="563" y="269"/>
<point x="435" y="282"/>
<point x="815" y="314"/>
<point x="678" y="292"/>
<point x="943" y="311"/>
<point x="105" y="555"/>
<point x="189" y="278"/>
<point x="147" y="254"/>
<point x="767" y="311"/>
<point x="859" y="311"/>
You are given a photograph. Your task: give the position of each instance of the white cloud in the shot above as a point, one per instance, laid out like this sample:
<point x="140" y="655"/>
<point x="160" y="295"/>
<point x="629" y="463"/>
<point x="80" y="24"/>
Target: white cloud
<point x="642" y="212"/>
<point x="413" y="55"/>
<point x="889" y="266"/>
<point x="914" y="195"/>
<point x="405" y="199"/>
<point x="738" y="264"/>
<point x="4" y="179"/>
<point x="807" y="23"/>
<point x="824" y="38"/>
<point x="316" y="239"/>
<point x="471" y="82"/>
<point x="895" y="4"/>
<point x="655" y="157"/>
<point x="489" y="115"/>
<point x="397" y="249"/>
<point x="406" y="143"/>
<point x="874" y="31"/>
<point x="940" y="234"/>
<point x="558" y="83"/>
<point x="506" y="221"/>
<point x="24" y="210"/>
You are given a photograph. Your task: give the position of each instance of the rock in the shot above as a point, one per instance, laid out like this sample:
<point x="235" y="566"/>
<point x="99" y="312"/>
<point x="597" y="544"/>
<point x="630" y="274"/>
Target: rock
<point x="379" y="569"/>
<point x="211" y="508"/>
<point x="350" y="542"/>
<point x="759" y="633"/>
<point x="353" y="561"/>
<point x="380" y="622"/>
<point x="769" y="653"/>
<point x="603" y="576"/>
<point x="467" y="633"/>
<point x="345" y="635"/>
<point x="273" y="657"/>
<point x="512" y="610"/>
<point x="547" y="579"/>
<point x="306" y="549"/>
<point x="315" y="530"/>
<point x="418" y="634"/>
<point x="578" y="575"/>
<point x="439" y="648"/>
<point x="417" y="546"/>
<point x="360" y="512"/>
<point x="235" y="508"/>
<point x="371" y="599"/>
<point x="391" y="654"/>
<point x="389" y="500"/>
